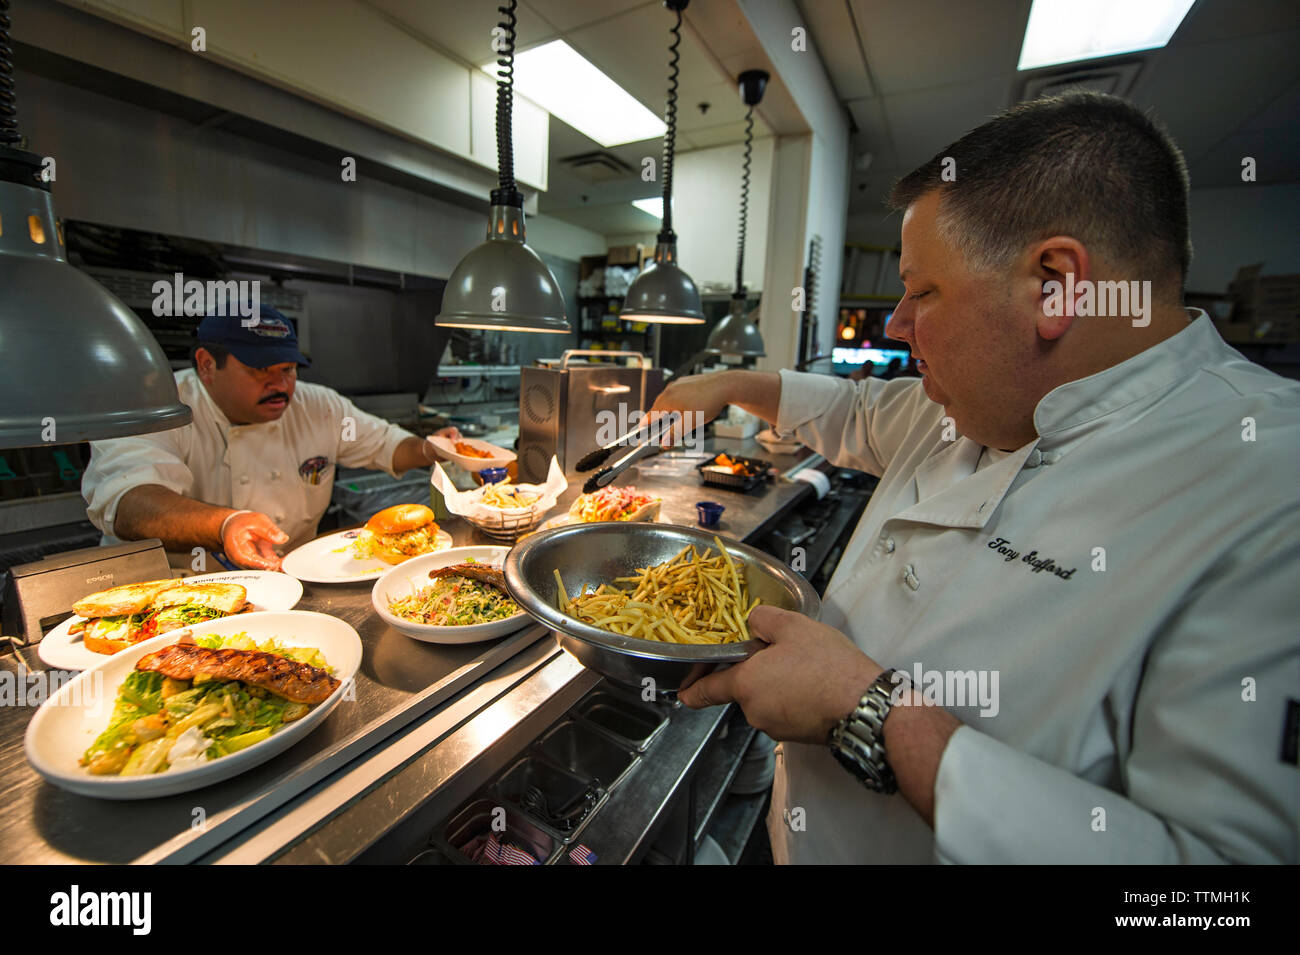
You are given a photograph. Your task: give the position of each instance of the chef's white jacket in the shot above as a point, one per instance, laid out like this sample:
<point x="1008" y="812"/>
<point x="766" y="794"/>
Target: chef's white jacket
<point x="284" y="468"/>
<point x="1142" y="708"/>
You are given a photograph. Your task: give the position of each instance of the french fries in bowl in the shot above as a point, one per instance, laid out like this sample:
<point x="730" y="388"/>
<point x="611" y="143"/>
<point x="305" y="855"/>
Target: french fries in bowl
<point x="642" y="602"/>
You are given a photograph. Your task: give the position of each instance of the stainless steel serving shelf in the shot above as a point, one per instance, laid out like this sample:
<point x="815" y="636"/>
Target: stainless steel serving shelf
<point x="430" y="728"/>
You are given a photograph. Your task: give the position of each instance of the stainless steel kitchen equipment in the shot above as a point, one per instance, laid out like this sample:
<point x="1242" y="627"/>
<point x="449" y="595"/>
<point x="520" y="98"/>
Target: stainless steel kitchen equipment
<point x="561" y="409"/>
<point x="594" y="554"/>
<point x="40" y="595"/>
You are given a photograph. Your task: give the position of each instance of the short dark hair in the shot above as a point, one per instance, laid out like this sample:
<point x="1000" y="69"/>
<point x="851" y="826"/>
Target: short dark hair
<point x="1084" y="164"/>
<point x="219" y="354"/>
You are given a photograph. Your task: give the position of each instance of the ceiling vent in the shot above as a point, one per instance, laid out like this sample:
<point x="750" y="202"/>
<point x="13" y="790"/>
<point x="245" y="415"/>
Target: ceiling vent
<point x="598" y="166"/>
<point x="1114" y="78"/>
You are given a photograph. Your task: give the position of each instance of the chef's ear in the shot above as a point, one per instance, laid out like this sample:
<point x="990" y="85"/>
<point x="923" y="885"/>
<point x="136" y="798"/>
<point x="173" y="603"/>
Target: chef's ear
<point x="1061" y="263"/>
<point x="204" y="364"/>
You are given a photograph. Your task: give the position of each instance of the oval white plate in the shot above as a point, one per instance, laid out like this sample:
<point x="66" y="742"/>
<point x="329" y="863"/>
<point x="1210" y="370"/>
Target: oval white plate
<point x="68" y="722"/>
<point x="500" y="456"/>
<point x="330" y="560"/>
<point x="405" y="579"/>
<point x="266" y="591"/>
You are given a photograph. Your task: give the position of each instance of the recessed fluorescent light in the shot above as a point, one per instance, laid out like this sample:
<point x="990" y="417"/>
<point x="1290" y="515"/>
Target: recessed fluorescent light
<point x="654" y="207"/>
<point x="1066" y="31"/>
<point x="558" y="79"/>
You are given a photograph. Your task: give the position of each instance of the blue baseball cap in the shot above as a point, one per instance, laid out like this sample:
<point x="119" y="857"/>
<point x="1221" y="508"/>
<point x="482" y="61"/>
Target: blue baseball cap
<point x="272" y="341"/>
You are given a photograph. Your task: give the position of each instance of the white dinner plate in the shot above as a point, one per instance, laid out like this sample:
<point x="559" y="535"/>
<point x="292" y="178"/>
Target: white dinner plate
<point x="266" y="591"/>
<point x="407" y="578"/>
<point x="447" y="448"/>
<point x="330" y="560"/>
<point x="70" y="720"/>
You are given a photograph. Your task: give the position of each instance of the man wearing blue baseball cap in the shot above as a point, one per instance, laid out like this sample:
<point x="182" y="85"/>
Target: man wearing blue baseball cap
<point x="255" y="469"/>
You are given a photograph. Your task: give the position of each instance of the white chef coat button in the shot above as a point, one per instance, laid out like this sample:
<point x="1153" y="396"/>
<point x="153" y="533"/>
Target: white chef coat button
<point x="275" y="475"/>
<point x="889" y="545"/>
<point x="243" y="479"/>
<point x="909" y="577"/>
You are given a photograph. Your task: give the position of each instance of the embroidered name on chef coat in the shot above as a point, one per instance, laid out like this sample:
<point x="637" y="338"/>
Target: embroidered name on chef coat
<point x="1037" y="564"/>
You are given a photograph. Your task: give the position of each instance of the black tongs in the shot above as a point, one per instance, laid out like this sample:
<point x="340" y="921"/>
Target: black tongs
<point x="648" y="446"/>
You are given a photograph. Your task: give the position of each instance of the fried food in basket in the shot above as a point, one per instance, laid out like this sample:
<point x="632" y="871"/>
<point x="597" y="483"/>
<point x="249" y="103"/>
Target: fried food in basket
<point x="506" y="496"/>
<point x="469" y="451"/>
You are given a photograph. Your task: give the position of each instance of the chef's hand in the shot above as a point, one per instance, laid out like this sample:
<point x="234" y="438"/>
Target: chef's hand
<point x="808" y="678"/>
<point x="249" y="540"/>
<point x="705" y="396"/>
<point x="804" y="681"/>
<point x="430" y="450"/>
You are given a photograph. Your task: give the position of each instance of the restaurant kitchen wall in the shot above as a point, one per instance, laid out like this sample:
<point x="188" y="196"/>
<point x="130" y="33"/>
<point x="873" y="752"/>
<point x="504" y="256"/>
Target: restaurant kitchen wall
<point x="124" y="165"/>
<point x="1230" y="226"/>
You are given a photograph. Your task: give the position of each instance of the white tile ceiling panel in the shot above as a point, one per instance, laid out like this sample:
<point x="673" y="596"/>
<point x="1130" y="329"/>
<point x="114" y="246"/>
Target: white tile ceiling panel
<point x="1205" y="91"/>
<point x="725" y="106"/>
<point x="919" y="44"/>
<point x="924" y="122"/>
<point x="464" y="29"/>
<point x="723" y="134"/>
<point x="1217" y="19"/>
<point x="332" y="57"/>
<point x="1276" y="153"/>
<point x="1282" y="113"/>
<point x="831" y="25"/>
<point x="632" y="49"/>
<point x="567" y="15"/>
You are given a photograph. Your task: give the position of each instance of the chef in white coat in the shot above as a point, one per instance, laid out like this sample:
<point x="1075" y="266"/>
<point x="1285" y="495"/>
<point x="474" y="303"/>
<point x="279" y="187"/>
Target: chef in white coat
<point x="1082" y="559"/>
<point x="255" y="469"/>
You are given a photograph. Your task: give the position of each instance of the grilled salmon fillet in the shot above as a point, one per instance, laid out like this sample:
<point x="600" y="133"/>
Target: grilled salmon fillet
<point x="298" y="682"/>
<point x="484" y="572"/>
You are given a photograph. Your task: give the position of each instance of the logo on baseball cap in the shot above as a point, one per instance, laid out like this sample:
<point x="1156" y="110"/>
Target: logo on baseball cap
<point x="272" y="341"/>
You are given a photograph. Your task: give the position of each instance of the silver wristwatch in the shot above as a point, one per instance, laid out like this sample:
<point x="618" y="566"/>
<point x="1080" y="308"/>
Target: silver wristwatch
<point x="858" y="740"/>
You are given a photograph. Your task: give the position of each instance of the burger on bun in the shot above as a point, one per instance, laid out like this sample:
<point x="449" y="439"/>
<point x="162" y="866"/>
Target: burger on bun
<point x="398" y="533"/>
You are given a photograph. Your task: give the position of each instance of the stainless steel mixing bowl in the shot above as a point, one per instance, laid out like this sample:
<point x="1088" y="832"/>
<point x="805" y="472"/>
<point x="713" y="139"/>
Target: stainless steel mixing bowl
<point x="595" y="554"/>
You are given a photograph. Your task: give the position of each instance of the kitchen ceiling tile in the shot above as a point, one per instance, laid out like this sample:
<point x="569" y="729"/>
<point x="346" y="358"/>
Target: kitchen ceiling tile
<point x="573" y="14"/>
<point x="464" y="29"/>
<point x="1221" y="19"/>
<point x="1276" y="153"/>
<point x="924" y="122"/>
<point x="927" y="43"/>
<point x="1204" y="92"/>
<point x="834" y="33"/>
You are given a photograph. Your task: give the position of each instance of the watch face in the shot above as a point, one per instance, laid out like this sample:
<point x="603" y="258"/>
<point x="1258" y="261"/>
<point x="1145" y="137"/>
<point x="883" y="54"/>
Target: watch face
<point x="865" y="774"/>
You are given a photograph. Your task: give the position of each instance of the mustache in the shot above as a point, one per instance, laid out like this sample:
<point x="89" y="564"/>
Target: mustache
<point x="273" y="396"/>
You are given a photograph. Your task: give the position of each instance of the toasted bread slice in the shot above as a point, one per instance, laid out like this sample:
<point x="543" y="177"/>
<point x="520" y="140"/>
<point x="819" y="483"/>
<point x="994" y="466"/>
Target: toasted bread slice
<point x="110" y="636"/>
<point x="128" y="598"/>
<point x="216" y="594"/>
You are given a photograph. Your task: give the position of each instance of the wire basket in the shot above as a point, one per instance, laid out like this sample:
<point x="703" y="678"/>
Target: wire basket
<point x="508" y="527"/>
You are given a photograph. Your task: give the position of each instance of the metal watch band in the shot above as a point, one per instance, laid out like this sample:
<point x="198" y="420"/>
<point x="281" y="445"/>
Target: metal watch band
<point x="857" y="741"/>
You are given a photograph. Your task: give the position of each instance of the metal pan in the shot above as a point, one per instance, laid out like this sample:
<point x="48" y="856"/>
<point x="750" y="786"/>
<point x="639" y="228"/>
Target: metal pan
<point x="597" y="553"/>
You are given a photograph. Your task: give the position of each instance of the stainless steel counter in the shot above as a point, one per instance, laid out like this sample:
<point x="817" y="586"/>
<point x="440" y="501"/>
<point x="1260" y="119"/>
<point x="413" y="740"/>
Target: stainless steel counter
<point x="429" y="724"/>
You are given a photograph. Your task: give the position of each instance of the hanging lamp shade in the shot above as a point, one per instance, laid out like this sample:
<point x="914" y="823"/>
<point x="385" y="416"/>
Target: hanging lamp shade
<point x="736" y="334"/>
<point x="663" y="293"/>
<point x="78" y="364"/>
<point x="502" y="284"/>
